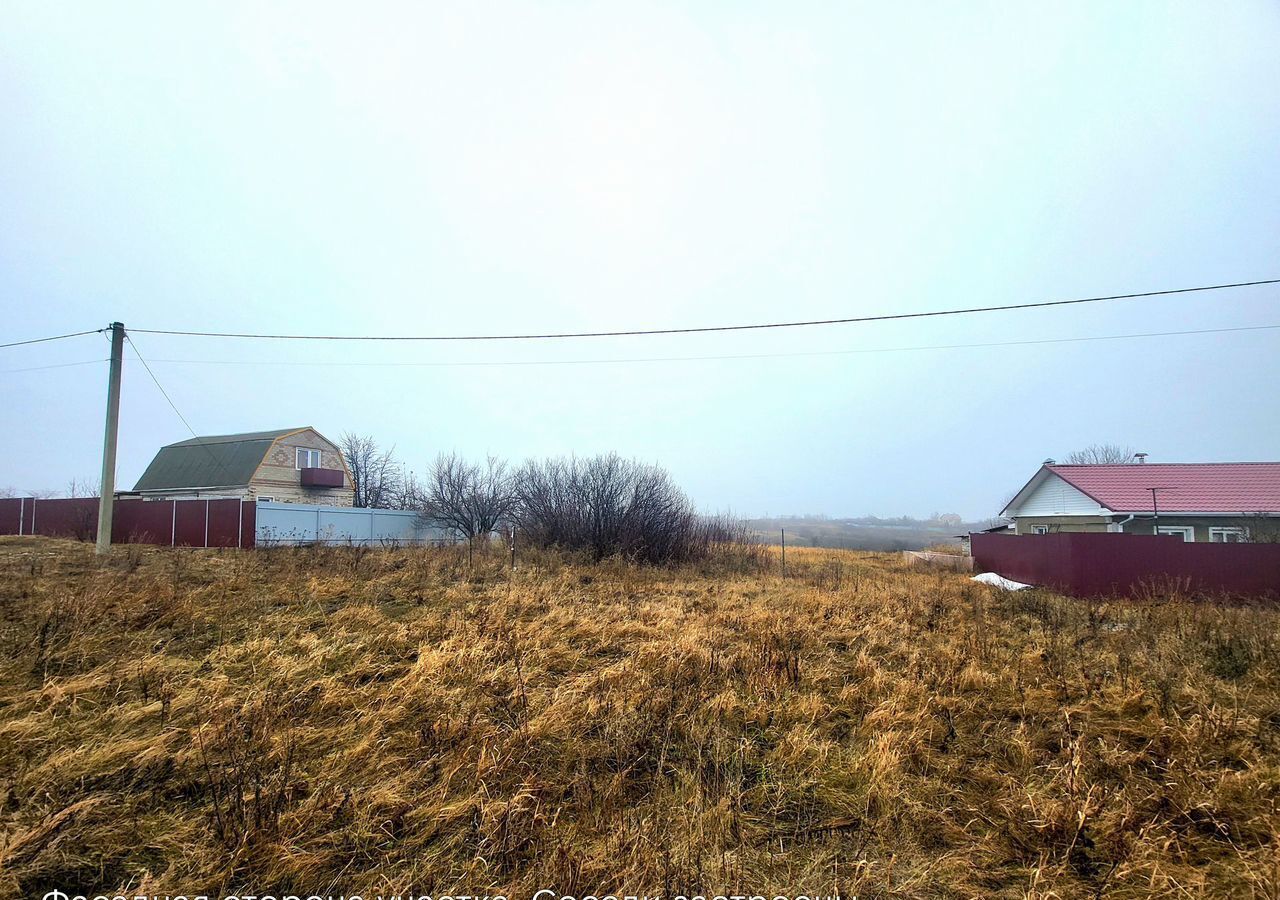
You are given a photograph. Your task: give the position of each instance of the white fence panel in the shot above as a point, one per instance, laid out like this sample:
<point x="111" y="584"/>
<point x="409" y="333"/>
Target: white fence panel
<point x="298" y="523"/>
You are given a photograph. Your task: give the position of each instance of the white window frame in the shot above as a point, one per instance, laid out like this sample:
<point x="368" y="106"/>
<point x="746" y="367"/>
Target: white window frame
<point x="1222" y="531"/>
<point x="1039" y="529"/>
<point x="265" y="499"/>
<point x="297" y="457"/>
<point x="1186" y="531"/>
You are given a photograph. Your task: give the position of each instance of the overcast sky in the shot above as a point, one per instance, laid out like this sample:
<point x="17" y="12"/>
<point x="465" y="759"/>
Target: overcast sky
<point x="491" y="168"/>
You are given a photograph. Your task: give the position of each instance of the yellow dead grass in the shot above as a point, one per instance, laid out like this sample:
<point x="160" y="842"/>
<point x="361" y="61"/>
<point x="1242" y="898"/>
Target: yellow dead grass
<point x="338" y="720"/>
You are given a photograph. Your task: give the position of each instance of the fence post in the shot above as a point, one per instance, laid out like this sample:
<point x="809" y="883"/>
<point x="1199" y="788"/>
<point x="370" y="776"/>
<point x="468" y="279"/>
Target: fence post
<point x="784" y="553"/>
<point x="513" y="548"/>
<point x="206" y="523"/>
<point x="22" y="513"/>
<point x="317" y="540"/>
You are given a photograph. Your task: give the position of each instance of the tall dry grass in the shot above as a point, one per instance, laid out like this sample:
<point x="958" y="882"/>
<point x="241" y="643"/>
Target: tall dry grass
<point x="312" y="720"/>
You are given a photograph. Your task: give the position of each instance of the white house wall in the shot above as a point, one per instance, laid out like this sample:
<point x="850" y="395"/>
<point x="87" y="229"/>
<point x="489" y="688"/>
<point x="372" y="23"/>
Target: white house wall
<point x="1054" y="497"/>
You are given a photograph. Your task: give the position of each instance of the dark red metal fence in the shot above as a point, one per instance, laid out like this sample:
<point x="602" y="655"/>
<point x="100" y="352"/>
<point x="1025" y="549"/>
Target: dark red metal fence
<point x="1091" y="564"/>
<point x="174" y="523"/>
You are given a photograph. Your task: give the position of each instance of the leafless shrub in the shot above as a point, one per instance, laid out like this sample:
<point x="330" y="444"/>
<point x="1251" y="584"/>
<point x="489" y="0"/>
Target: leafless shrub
<point x="609" y="506"/>
<point x="82" y="487"/>
<point x="1261" y="528"/>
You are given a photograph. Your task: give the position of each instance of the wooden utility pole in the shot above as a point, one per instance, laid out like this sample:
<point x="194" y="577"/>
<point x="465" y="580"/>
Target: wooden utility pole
<point x="107" y="493"/>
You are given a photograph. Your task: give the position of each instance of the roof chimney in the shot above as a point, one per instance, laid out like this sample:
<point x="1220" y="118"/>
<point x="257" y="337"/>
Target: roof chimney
<point x="1140" y="457"/>
<point x="1050" y="461"/>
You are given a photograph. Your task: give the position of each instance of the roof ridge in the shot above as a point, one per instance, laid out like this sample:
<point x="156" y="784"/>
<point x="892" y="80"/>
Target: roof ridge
<point x="237" y="437"/>
<point x="1130" y="465"/>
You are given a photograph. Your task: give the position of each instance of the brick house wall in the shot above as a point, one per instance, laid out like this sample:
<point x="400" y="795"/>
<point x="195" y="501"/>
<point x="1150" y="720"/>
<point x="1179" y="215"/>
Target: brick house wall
<point x="279" y="478"/>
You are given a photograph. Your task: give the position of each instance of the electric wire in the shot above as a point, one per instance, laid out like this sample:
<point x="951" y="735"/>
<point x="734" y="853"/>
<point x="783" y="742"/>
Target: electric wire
<point x="657" y="359"/>
<point x="704" y="329"/>
<point x="54" y="337"/>
<point x="660" y="331"/>
<point x="160" y="387"/>
<point x="177" y="411"/>
<point x="83" y="362"/>
<point x="660" y="359"/>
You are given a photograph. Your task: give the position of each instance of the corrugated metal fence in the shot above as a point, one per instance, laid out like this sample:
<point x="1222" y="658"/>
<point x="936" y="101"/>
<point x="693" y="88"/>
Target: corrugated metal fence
<point x="175" y="523"/>
<point x="1091" y="564"/>
<point x="296" y="523"/>
<point x="216" y="522"/>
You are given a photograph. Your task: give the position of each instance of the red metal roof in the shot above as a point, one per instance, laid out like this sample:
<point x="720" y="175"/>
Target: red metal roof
<point x="1180" y="487"/>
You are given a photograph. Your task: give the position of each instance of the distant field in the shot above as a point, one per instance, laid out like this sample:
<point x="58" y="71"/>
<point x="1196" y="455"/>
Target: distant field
<point x="853" y="534"/>
<point x="332" y="721"/>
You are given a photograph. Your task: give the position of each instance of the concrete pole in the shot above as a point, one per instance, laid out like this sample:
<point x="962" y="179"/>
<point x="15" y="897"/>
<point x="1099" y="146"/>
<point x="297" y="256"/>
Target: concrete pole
<point x="107" y="493"/>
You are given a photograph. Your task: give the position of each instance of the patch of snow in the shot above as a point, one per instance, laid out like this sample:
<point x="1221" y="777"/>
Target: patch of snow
<point x="1005" y="584"/>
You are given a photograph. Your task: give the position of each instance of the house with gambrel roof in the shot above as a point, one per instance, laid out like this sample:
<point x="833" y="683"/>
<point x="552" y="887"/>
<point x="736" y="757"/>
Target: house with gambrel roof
<point x="1216" y="502"/>
<point x="288" y="465"/>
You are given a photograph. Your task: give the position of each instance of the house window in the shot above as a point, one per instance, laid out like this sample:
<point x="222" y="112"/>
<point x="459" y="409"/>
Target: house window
<point x="1039" y="529"/>
<point x="1227" y="535"/>
<point x="1186" y="532"/>
<point x="265" y="499"/>
<point x="308" y="459"/>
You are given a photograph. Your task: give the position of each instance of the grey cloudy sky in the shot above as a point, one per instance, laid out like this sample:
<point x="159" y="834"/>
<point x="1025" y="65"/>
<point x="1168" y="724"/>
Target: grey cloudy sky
<point x="472" y="168"/>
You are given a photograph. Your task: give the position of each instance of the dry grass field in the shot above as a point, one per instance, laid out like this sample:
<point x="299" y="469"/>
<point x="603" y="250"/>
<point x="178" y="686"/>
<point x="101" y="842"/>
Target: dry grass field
<point x="324" y="720"/>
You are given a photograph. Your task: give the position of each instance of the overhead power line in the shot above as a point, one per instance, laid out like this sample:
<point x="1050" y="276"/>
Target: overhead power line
<point x="83" y="362"/>
<point x="55" y="337"/>
<point x="658" y="359"/>
<point x="159" y="386"/>
<point x="705" y="329"/>
<point x="656" y="331"/>
<point x="217" y="462"/>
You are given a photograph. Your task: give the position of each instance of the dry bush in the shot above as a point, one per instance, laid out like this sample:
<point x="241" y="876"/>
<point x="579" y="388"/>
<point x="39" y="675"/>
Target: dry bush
<point x="609" y="506"/>
<point x="322" y="720"/>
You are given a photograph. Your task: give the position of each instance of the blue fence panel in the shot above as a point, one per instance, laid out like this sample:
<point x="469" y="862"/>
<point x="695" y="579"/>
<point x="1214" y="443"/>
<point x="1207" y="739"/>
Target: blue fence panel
<point x="298" y="523"/>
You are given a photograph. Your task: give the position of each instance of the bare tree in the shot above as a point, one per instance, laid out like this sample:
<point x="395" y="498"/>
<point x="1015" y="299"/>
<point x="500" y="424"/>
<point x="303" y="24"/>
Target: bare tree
<point x="374" y="471"/>
<point x="1261" y="528"/>
<point x="82" y="487"/>
<point x="1101" y="453"/>
<point x="468" y="498"/>
<point x="410" y="493"/>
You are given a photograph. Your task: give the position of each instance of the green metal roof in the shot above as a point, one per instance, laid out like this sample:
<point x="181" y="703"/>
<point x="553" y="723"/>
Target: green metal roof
<point x="220" y="460"/>
<point x="237" y="438"/>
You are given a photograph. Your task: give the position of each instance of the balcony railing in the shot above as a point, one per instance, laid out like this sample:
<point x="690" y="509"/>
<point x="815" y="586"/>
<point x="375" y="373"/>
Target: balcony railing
<point x="325" y="478"/>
